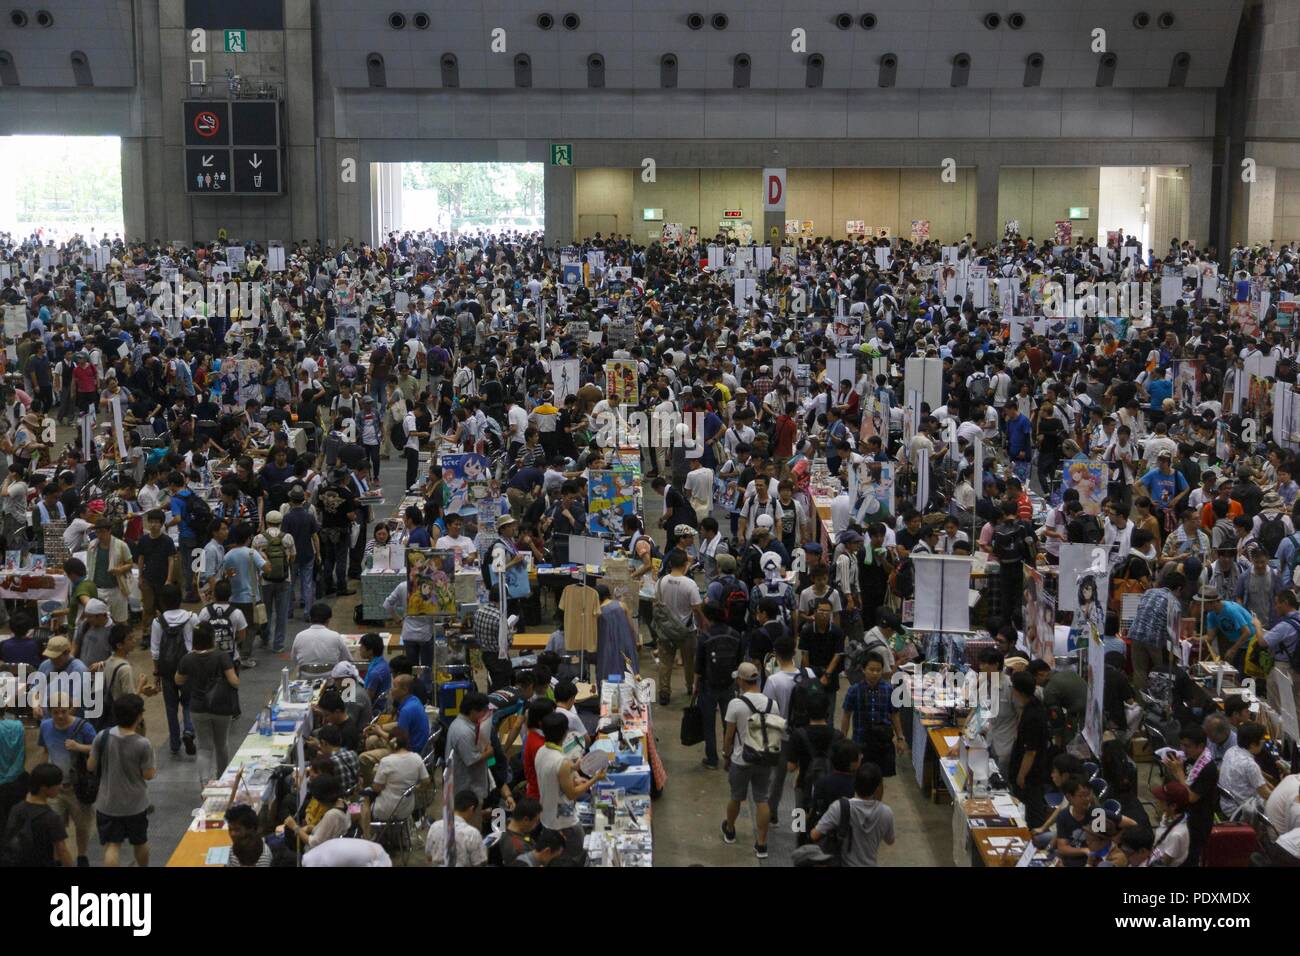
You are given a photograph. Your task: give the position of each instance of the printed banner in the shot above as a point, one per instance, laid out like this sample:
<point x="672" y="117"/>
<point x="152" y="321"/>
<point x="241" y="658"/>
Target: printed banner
<point x="621" y="380"/>
<point x="1089" y="479"/>
<point x="920" y="230"/>
<point x="611" y="495"/>
<point x="430" y="582"/>
<point x="458" y="473"/>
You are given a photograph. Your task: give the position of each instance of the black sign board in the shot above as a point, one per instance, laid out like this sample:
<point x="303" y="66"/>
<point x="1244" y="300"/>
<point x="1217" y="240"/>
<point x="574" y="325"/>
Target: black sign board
<point x="207" y="123"/>
<point x="255" y="122"/>
<point x="232" y="147"/>
<point x="257" y="171"/>
<point x="234" y="14"/>
<point x="207" y="171"/>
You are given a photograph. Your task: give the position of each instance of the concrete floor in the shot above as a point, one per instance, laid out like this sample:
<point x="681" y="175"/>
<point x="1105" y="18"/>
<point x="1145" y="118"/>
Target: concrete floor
<point x="686" y="817"/>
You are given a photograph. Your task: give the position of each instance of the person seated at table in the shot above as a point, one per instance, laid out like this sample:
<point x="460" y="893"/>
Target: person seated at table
<point x="1101" y="842"/>
<point x="327" y="791"/>
<point x="332" y="710"/>
<point x="1073" y="823"/>
<point x="398" y="771"/>
<point x="345" y="679"/>
<point x="1064" y="766"/>
<point x="408" y="713"/>
<point x="381" y="541"/>
<point x="1136" y="844"/>
<point x="379" y="675"/>
<point x="22" y="647"/>
<point x="1172" y="839"/>
<point x="455" y="539"/>
<point x="328" y="742"/>
<point x="403" y="664"/>
<point x="247" y="846"/>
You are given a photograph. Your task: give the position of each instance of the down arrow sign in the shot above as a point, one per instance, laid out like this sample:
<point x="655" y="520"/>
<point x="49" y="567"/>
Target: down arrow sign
<point x="255" y="162"/>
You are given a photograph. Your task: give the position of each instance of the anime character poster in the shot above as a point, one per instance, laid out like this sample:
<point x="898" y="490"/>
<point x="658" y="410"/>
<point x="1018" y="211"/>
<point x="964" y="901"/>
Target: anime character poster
<point x="1064" y="232"/>
<point x="611" y="495"/>
<point x="620" y="380"/>
<point x="872" y="491"/>
<point x="1040" y="617"/>
<point x="430" y="582"/>
<point x="458" y="473"/>
<point x="1037" y="288"/>
<point x="1090" y="594"/>
<point x="920" y="230"/>
<point x="672" y="232"/>
<point x="1187" y="382"/>
<point x="1088" y="478"/>
<point x="1116" y="326"/>
<point x="564" y="379"/>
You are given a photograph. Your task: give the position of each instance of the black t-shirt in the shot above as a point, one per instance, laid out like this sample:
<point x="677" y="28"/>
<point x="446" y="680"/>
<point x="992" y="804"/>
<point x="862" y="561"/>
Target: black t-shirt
<point x="1031" y="736"/>
<point x="808" y="742"/>
<point x="821" y="646"/>
<point x="156" y="553"/>
<point x="202" y="669"/>
<point x="1200" y="815"/>
<point x="1075" y="831"/>
<point x="335" y="501"/>
<point x="1051" y="434"/>
<point x="45" y="829"/>
<point x="759" y="642"/>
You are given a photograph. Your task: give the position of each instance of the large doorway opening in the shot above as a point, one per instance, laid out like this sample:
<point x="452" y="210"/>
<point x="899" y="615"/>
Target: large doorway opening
<point x="61" y="186"/>
<point x="458" y="198"/>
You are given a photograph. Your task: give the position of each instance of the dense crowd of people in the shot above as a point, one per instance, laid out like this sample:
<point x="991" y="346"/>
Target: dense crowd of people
<point x="432" y="342"/>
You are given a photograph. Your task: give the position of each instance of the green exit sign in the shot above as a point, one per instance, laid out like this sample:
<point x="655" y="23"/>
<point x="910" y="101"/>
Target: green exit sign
<point x="1078" y="212"/>
<point x="236" y="41"/>
<point x="561" y="154"/>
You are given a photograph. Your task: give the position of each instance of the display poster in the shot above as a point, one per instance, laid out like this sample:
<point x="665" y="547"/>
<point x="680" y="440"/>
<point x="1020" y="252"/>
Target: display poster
<point x="1088" y="478"/>
<point x="611" y="495"/>
<point x="458" y="472"/>
<point x="430" y="582"/>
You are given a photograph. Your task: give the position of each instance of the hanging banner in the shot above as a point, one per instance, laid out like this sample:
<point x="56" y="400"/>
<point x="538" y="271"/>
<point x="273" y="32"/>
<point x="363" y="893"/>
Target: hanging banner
<point x="119" y="433"/>
<point x="621" y="381"/>
<point x="564" y="379"/>
<point x="431" y="583"/>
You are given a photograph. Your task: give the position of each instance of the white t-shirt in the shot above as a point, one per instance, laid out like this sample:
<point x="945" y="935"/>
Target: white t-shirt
<point x="699" y="487"/>
<point x="397" y="773"/>
<point x="558" y="811"/>
<point x="409" y="428"/>
<point x="518" y="421"/>
<point x="466" y="547"/>
<point x="681" y="595"/>
<point x="738" y="715"/>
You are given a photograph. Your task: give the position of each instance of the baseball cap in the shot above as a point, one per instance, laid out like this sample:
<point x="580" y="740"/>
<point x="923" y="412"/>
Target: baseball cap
<point x="726" y="564"/>
<point x="273" y="517"/>
<point x="848" y="537"/>
<point x="345" y="669"/>
<point x="763" y="521"/>
<point x="96" y="606"/>
<point x="746" y="672"/>
<point x="1173" y="793"/>
<point x="683" y="530"/>
<point x="57" y="647"/>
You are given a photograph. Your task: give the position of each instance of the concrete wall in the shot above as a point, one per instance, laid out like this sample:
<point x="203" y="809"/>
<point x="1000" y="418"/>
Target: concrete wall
<point x="1286" y="209"/>
<point x="1038" y="197"/>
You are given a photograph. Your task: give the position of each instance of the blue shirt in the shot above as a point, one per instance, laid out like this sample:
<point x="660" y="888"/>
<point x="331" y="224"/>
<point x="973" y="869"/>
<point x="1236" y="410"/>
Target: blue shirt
<point x="245" y="563"/>
<point x="55" y="740"/>
<point x="869" y="705"/>
<point x="1159" y="390"/>
<point x="1228" y="621"/>
<point x="419" y="538"/>
<point x="1161" y="487"/>
<point x="13" y="750"/>
<point x="379" y="677"/>
<point x="412" y="718"/>
<point x="179" y="505"/>
<point x="1019" y="431"/>
<point x="1283" y="639"/>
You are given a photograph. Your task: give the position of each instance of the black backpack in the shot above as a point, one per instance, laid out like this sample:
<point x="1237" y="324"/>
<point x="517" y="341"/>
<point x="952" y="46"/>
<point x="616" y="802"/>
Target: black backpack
<point x="223" y="631"/>
<point x="735" y="602"/>
<point x="171" y="647"/>
<point x="19" y="847"/>
<point x="722" y="657"/>
<point x="197" y="513"/>
<point x="85" y="783"/>
<point x="818" y="769"/>
<point x="1009" y="543"/>
<point x="1085" y="529"/>
<point x="1272" y="532"/>
<point x="397" y="434"/>
<point x="801" y="695"/>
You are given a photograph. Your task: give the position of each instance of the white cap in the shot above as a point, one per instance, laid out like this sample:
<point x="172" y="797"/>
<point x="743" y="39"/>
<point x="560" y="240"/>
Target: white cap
<point x="764" y="521"/>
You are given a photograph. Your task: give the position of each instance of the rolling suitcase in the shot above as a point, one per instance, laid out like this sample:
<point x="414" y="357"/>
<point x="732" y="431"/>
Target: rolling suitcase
<point x="1229" y="845"/>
